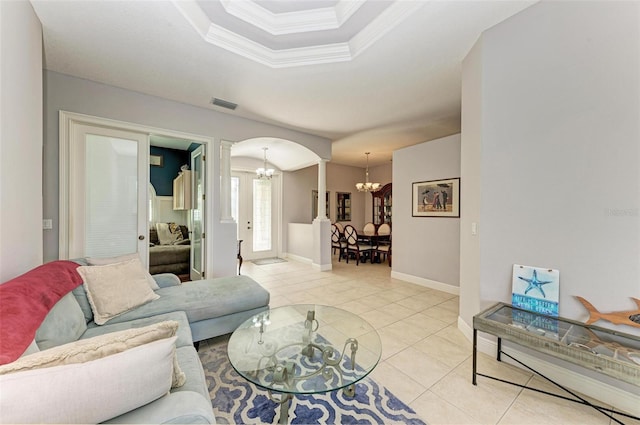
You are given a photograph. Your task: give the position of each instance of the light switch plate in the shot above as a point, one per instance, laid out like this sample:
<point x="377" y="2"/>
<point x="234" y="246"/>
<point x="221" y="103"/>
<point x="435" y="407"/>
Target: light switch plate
<point x="47" y="224"/>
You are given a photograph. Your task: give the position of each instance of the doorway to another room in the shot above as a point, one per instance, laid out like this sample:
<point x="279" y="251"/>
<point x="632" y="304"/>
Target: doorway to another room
<point x="127" y="188"/>
<point x="176" y="218"/>
<point x="255" y="204"/>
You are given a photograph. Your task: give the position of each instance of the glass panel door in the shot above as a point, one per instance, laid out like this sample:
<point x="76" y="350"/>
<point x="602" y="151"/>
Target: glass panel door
<point x="197" y="214"/>
<point x="253" y="206"/>
<point x="261" y="215"/>
<point x="108" y="193"/>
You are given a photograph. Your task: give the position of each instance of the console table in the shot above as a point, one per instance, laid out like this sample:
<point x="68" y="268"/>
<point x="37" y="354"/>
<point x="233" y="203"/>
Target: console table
<point x="607" y="351"/>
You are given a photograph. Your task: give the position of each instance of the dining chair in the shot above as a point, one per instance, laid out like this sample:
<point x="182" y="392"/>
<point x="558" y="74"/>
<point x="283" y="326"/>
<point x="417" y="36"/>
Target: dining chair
<point x="340" y="228"/>
<point x="383" y="249"/>
<point x="369" y="229"/>
<point x="384" y="229"/>
<point x="356" y="246"/>
<point x="337" y="242"/>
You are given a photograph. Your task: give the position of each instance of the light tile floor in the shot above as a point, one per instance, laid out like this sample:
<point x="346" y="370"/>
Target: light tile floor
<point x="426" y="360"/>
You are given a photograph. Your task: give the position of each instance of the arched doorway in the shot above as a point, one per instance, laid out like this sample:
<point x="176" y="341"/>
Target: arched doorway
<point x="257" y="203"/>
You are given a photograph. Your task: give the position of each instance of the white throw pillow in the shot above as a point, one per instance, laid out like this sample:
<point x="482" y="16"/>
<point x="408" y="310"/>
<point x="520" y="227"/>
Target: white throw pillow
<point x="95" y="261"/>
<point x="90" y="392"/>
<point x="84" y="350"/>
<point x="169" y="233"/>
<point x="115" y="288"/>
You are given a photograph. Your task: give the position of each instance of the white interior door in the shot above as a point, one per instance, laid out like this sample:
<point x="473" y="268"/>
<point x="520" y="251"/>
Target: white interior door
<point x="197" y="213"/>
<point x="108" y="184"/>
<point x="254" y="206"/>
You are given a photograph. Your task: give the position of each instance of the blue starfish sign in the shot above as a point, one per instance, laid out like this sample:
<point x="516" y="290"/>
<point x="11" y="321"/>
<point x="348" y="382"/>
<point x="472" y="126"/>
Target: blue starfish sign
<point x="534" y="283"/>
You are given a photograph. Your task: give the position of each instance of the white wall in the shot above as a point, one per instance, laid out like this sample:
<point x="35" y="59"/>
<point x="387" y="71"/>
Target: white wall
<point x="343" y="178"/>
<point x="300" y="241"/>
<point x="64" y="92"/>
<point x="340" y="178"/>
<point x="426" y="250"/>
<point x="166" y="214"/>
<point x="20" y="139"/>
<point x="560" y="152"/>
<point x="297" y="187"/>
<point x="382" y="174"/>
<point x="470" y="179"/>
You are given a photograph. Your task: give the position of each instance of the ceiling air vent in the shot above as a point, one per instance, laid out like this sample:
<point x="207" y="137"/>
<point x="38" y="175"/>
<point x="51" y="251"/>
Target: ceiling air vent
<point x="223" y="103"/>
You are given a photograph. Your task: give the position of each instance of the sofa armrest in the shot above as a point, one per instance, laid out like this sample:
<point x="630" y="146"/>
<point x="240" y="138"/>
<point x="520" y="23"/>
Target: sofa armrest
<point x="181" y="407"/>
<point x="165" y="280"/>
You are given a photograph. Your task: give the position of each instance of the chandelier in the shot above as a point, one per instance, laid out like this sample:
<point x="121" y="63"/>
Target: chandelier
<point x="367" y="186"/>
<point x="264" y="172"/>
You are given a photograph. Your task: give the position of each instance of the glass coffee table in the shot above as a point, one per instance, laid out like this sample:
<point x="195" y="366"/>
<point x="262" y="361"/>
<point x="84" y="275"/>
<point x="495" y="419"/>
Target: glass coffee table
<point x="304" y="349"/>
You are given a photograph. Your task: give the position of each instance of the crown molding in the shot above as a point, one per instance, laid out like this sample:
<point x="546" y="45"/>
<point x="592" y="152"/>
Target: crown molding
<point x="302" y="56"/>
<point x="390" y="18"/>
<point x="240" y="45"/>
<point x="322" y="19"/>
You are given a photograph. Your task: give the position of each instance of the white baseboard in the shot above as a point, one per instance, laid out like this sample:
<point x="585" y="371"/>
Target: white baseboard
<point x="608" y="394"/>
<point x="322" y="267"/>
<point x="444" y="287"/>
<point x="319" y="267"/>
<point x="298" y="258"/>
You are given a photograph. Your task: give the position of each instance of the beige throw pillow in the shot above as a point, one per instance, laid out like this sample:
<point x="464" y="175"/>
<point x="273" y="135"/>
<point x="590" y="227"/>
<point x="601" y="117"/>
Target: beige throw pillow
<point x="86" y="350"/>
<point x="94" y="261"/>
<point x="84" y="381"/>
<point x="116" y="288"/>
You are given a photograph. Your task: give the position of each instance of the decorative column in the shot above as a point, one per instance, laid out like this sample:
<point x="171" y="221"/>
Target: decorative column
<point x="321" y="224"/>
<point x="225" y="181"/>
<point x="322" y="189"/>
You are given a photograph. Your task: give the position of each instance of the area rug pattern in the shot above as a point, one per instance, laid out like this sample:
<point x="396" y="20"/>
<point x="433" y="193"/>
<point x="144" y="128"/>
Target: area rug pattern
<point x="236" y="401"/>
<point x="265" y="261"/>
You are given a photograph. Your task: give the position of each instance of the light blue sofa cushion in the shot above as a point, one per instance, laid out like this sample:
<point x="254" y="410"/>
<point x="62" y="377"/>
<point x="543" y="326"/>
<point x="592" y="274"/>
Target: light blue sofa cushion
<point x="166" y="279"/>
<point x="64" y="323"/>
<point x="190" y="364"/>
<point x="183" y="333"/>
<point x="81" y="295"/>
<point x="204" y="299"/>
<point x="183" y="407"/>
<point x="209" y="328"/>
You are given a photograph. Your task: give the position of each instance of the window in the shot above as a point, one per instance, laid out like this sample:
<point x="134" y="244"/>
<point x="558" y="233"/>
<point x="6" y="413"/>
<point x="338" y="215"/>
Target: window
<point x="261" y="215"/>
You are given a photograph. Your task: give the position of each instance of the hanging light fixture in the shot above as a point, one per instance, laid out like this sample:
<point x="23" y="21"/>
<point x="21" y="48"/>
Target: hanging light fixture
<point x="264" y="172"/>
<point x="367" y="186"/>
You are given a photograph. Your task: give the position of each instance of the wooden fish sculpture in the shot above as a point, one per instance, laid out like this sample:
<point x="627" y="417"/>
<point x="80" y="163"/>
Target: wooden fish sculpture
<point x="631" y="317"/>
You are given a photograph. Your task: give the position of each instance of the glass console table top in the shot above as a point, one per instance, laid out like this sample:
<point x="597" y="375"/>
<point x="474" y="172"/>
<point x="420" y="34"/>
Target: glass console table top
<point x="304" y="349"/>
<point x="609" y="351"/>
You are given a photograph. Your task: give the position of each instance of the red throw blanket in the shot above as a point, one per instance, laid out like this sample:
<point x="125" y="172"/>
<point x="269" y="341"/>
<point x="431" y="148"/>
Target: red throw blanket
<point x="27" y="299"/>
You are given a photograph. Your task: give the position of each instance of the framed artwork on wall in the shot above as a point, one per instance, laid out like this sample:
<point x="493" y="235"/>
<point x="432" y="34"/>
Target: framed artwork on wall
<point x="156" y="160"/>
<point x="436" y="198"/>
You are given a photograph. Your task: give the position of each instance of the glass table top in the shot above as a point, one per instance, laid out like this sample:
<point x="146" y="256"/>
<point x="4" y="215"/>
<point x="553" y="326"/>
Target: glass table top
<point x="304" y="349"/>
<point x="565" y="332"/>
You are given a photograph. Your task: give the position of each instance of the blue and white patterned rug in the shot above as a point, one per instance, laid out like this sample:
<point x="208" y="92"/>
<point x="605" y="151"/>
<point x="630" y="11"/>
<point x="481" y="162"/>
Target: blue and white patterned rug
<point x="236" y="401"/>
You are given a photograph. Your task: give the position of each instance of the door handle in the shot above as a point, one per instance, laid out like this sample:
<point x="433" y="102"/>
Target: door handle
<point x="141" y="237"/>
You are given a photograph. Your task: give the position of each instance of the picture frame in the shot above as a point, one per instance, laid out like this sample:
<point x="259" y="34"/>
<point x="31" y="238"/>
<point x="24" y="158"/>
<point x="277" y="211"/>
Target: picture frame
<point x="343" y="206"/>
<point x="156" y="160"/>
<point x="536" y="289"/>
<point x="436" y="198"/>
<point x="314" y="204"/>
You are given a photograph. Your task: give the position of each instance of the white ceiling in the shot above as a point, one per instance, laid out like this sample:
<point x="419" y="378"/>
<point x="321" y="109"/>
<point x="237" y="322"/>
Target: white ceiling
<point x="400" y="86"/>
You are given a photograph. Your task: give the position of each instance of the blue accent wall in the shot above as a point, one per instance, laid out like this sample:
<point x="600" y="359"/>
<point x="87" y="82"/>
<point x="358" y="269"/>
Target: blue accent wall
<point x="162" y="177"/>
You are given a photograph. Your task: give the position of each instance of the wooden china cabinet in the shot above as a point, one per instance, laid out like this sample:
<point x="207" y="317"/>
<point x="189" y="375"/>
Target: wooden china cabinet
<point x="382" y="205"/>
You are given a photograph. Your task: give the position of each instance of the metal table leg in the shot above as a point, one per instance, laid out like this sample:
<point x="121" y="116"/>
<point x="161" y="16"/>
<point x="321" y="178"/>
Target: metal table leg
<point x="285" y="403"/>
<point x="475" y="356"/>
